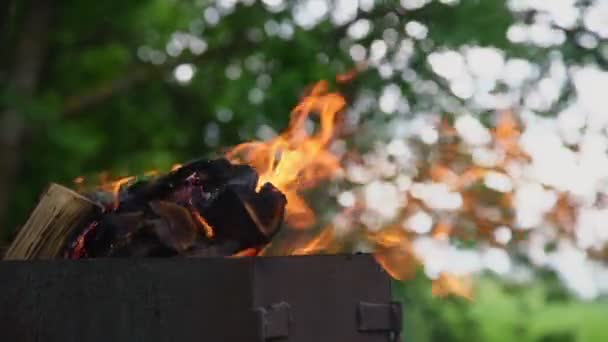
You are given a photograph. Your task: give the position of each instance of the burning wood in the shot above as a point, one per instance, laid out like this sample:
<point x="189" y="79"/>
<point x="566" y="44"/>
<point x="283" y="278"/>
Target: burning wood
<point x="298" y="159"/>
<point x="204" y="208"/>
<point x="219" y="207"/>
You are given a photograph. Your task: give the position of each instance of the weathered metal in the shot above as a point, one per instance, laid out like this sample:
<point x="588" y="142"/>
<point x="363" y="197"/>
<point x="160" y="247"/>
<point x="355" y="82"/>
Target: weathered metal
<point x="296" y="298"/>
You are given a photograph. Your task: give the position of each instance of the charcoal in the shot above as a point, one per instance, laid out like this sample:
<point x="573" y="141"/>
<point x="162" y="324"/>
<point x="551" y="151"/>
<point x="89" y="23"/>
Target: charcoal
<point x="205" y="208"/>
<point x="233" y="209"/>
<point x="264" y="209"/>
<point x="118" y="230"/>
<point x="176" y="229"/>
<point x="143" y="244"/>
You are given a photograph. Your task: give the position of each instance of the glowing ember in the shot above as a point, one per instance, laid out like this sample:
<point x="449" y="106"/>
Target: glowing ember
<point x="249" y="252"/>
<point x="209" y="233"/>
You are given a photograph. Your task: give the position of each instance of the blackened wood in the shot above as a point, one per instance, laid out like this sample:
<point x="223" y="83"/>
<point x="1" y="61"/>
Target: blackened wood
<point x="187" y="300"/>
<point x="204" y="208"/>
<point x="59" y="211"/>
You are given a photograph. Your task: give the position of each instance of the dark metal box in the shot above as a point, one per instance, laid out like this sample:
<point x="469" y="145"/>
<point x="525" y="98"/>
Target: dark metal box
<point x="338" y="298"/>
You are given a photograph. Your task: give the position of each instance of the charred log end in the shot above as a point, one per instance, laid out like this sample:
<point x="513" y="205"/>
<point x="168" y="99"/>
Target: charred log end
<point x="59" y="213"/>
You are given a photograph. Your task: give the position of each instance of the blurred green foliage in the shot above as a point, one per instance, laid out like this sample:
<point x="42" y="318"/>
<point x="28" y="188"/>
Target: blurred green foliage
<point x="538" y="311"/>
<point x="107" y="101"/>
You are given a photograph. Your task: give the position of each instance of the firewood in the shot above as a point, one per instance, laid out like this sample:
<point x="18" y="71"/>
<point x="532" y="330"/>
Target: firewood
<point x="44" y="235"/>
<point x="206" y="208"/>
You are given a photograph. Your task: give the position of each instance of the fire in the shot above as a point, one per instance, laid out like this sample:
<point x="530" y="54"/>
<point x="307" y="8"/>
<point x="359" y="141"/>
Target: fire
<point x="393" y="250"/>
<point x="317" y="245"/>
<point x="249" y="252"/>
<point x="298" y="159"/>
<point x="449" y="284"/>
<point x="113" y="187"/>
<point x="209" y="233"/>
<point x="351" y="74"/>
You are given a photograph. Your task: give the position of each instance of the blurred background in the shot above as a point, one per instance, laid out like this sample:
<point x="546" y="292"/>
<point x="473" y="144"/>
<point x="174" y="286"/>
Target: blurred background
<point x="477" y="128"/>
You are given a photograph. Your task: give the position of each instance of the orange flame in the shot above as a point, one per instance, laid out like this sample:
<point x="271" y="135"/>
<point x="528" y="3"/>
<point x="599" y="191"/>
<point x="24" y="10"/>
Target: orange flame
<point x="351" y="74"/>
<point x="297" y="159"/>
<point x="394" y="252"/>
<point x="249" y="252"/>
<point x="209" y="232"/>
<point x="317" y="245"/>
<point x="114" y="187"/>
<point x="448" y="284"/>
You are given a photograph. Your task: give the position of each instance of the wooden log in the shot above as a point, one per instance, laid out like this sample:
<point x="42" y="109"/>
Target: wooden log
<point x="59" y="211"/>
